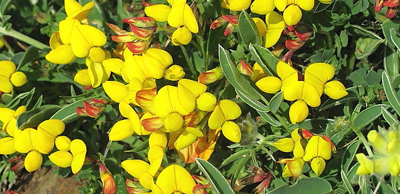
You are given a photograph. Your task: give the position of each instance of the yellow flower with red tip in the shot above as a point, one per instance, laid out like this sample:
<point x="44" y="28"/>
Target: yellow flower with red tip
<point x="9" y="77"/>
<point x="317" y="151"/>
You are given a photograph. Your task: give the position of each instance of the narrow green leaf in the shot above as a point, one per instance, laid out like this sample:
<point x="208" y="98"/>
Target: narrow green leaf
<point x="235" y="156"/>
<point x="366" y="46"/>
<point x="38" y="102"/>
<point x="68" y="113"/>
<point x="3" y="7"/>
<point x="349" y="154"/>
<point x="120" y="183"/>
<point x="248" y="29"/>
<point x="275" y="102"/>
<point x="351" y="96"/>
<point x="346" y="182"/>
<point x="394" y="36"/>
<point x="238" y="168"/>
<point x="389" y="118"/>
<point x="253" y="103"/>
<point x="359" y="30"/>
<point x="391" y="62"/>
<point x="234" y="77"/>
<point x="305" y="185"/>
<point x="391" y="95"/>
<point x="269" y="119"/>
<point x="35" y="116"/>
<point x="367" y="116"/>
<point x="217" y="180"/>
<point x="23" y="97"/>
<point x="387" y="25"/>
<point x="264" y="58"/>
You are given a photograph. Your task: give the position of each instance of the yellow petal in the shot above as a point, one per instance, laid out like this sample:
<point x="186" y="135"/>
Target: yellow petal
<point x="258" y="72"/>
<point x="366" y="165"/>
<point x="53" y="127"/>
<point x="61" y="158"/>
<point x="317" y="74"/>
<point x="216" y="118"/>
<point x="175" y="178"/>
<point x="292" y="15"/>
<point x="281" y="4"/>
<point x="158" y="12"/>
<point x="25" y="140"/>
<point x="181" y="35"/>
<point x="284" y="144"/>
<point x="275" y="26"/>
<point x="188" y="91"/>
<point x="63" y="143"/>
<point x="33" y="161"/>
<point x="97" y="73"/>
<point x="306" y="5"/>
<point x="155" y="156"/>
<point x="318" y="165"/>
<point x="232" y="131"/>
<point x="6" y="114"/>
<point x="114" y="65"/>
<point x="55" y="40"/>
<point x="317" y="147"/>
<point x="236" y="5"/>
<point x="164" y="102"/>
<point x="182" y="15"/>
<point x="206" y="102"/>
<point x="76" y="11"/>
<point x="287" y="74"/>
<point x="304" y="91"/>
<point x="135" y="167"/>
<point x="261" y="26"/>
<point x="335" y="90"/>
<point x="18" y="79"/>
<point x="117" y="91"/>
<point x="262" y="7"/>
<point x="269" y="84"/>
<point x="184" y="140"/>
<point x="174" y="73"/>
<point x="61" y="55"/>
<point x="158" y="138"/>
<point x="298" y="111"/>
<point x="7" y="146"/>
<point x="84" y="37"/>
<point x="82" y="77"/>
<point x="121" y="130"/>
<point x="78" y="150"/>
<point x="5" y="85"/>
<point x="163" y="56"/>
<point x="173" y="122"/>
<point x="230" y="109"/>
<point x="67" y="26"/>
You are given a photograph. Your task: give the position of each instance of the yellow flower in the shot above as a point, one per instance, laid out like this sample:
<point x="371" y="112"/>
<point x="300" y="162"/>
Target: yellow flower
<point x="73" y="158"/>
<point x="174" y="73"/>
<point x="224" y="112"/>
<point x="366" y="165"/>
<point x="262" y="7"/>
<point x="272" y="29"/>
<point x="235" y="5"/>
<point x="9" y="119"/>
<point x="75" y="10"/>
<point x="9" y="77"/>
<point x="293" y="167"/>
<point x="317" y="150"/>
<point x="284" y="144"/>
<point x="335" y="90"/>
<point x="126" y="127"/>
<point x="291" y="9"/>
<point x="269" y="84"/>
<point x="158" y="12"/>
<point x="174" y="179"/>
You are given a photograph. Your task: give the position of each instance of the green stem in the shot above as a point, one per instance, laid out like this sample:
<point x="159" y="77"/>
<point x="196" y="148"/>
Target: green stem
<point x="23" y="38"/>
<point x="190" y="63"/>
<point x="364" y="141"/>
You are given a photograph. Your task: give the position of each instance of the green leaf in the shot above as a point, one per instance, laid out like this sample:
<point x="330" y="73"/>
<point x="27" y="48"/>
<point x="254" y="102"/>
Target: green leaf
<point x="265" y="59"/>
<point x="275" y="102"/>
<point x="366" y="46"/>
<point x="235" y="156"/>
<point x="3" y="7"/>
<point x="367" y="116"/>
<point x="217" y="180"/>
<point x="120" y="183"/>
<point x="248" y="29"/>
<point x="35" y="116"/>
<point x="238" y="168"/>
<point x="31" y="54"/>
<point x="253" y="103"/>
<point x="394" y="36"/>
<point x="349" y="154"/>
<point x="269" y="119"/>
<point x="386" y="29"/>
<point x="21" y="99"/>
<point x="389" y="118"/>
<point x="68" y="113"/>
<point x="346" y="182"/>
<point x="391" y="95"/>
<point x="234" y="77"/>
<point x="391" y="62"/>
<point x="351" y="96"/>
<point x="306" y="185"/>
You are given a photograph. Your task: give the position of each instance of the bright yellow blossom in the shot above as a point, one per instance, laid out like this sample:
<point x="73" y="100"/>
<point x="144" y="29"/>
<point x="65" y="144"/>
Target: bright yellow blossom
<point x="9" y="77"/>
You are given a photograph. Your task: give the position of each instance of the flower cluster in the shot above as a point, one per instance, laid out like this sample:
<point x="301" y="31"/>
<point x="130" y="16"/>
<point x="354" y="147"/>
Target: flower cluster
<point x="385" y="159"/>
<point x="37" y="140"/>
<point x="306" y="147"/>
<point x="304" y="89"/>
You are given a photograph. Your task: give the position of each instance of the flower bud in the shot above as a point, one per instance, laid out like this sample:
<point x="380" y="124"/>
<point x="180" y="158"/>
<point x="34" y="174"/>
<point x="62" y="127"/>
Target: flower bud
<point x="109" y="186"/>
<point x="211" y="76"/>
<point x="245" y="68"/>
<point x="174" y="73"/>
